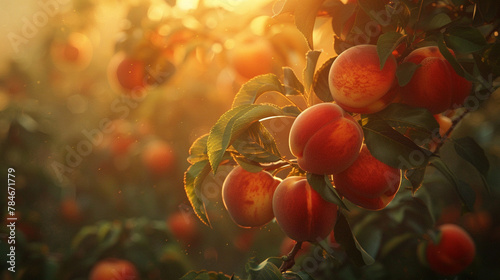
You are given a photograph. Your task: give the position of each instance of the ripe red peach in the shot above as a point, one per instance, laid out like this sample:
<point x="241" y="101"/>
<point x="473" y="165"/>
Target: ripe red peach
<point x="478" y="222"/>
<point x="131" y="74"/>
<point x="248" y="196"/>
<point x="184" y="227"/>
<point x="357" y="83"/>
<point x="116" y="269"/>
<point x="252" y="56"/>
<point x="368" y="182"/>
<point x="435" y="85"/>
<point x="71" y="211"/>
<point x="454" y="252"/>
<point x="244" y="240"/>
<point x="325" y="139"/>
<point x="301" y="212"/>
<point x="134" y="73"/>
<point x="159" y="157"/>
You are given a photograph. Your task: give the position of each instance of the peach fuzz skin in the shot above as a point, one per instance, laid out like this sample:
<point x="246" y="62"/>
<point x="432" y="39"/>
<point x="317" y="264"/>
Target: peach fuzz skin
<point x="368" y="182"/>
<point x="248" y="196"/>
<point x="454" y="252"/>
<point x="301" y="212"/>
<point x="357" y="83"/>
<point x="435" y="85"/>
<point x="325" y="139"/>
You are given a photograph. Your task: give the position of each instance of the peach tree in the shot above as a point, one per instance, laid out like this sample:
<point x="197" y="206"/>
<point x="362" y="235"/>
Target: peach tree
<point x="372" y="129"/>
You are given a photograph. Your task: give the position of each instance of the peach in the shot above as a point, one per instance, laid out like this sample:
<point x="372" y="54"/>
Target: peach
<point x="131" y="74"/>
<point x="368" y="182"/>
<point x="244" y="240"/>
<point x="134" y="74"/>
<point x="159" y="157"/>
<point x="252" y="56"/>
<point x="248" y="196"/>
<point x="301" y="212"/>
<point x="325" y="139"/>
<point x="435" y="85"/>
<point x="71" y="53"/>
<point x="183" y="226"/>
<point x="70" y="210"/>
<point x="454" y="252"/>
<point x="478" y="222"/>
<point x="116" y="269"/>
<point x="357" y="83"/>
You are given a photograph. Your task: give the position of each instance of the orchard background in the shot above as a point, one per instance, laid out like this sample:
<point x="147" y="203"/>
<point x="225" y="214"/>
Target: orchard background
<point x="115" y="116"/>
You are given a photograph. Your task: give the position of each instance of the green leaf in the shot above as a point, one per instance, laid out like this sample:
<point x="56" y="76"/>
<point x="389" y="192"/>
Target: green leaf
<point x="387" y="43"/>
<point x="466" y="159"/>
<point x="449" y="57"/>
<point x="403" y="117"/>
<point x="371" y="238"/>
<point x="198" y="150"/>
<point x="231" y="124"/>
<point x="464" y="191"/>
<point x="399" y="13"/>
<point x="193" y="180"/>
<point x="266" y="270"/>
<point x="438" y="21"/>
<point x="324" y="187"/>
<point x="321" y="84"/>
<point x="257" y="144"/>
<point x="395" y="242"/>
<point x="257" y="86"/>
<point x="207" y="275"/>
<point x="248" y="165"/>
<point x="464" y="39"/>
<point x="405" y="72"/>
<point x="82" y="235"/>
<point x="416" y="177"/>
<point x="308" y="73"/>
<point x="392" y="148"/>
<point x="291" y="110"/>
<point x="344" y="236"/>
<point x="292" y="84"/>
<point x="453" y="60"/>
<point x="305" y="16"/>
<point x="375" y="8"/>
<point x="341" y="13"/>
<point x="340" y="45"/>
<point x="51" y="268"/>
<point x="107" y="234"/>
<point x="469" y="150"/>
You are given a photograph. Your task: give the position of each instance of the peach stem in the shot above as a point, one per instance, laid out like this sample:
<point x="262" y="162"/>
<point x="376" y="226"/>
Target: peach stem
<point x="289" y="260"/>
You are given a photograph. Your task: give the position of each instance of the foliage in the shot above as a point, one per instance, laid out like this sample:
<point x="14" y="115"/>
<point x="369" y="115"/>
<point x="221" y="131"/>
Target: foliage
<point x="400" y="136"/>
<point x="76" y="136"/>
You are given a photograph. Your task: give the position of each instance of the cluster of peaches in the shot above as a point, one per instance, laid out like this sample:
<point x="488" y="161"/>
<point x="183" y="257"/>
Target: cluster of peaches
<point x="327" y="140"/>
<point x="359" y="84"/>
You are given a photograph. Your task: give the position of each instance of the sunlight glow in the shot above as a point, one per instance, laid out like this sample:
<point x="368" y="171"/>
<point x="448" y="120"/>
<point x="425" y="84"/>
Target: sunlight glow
<point x="187" y="4"/>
